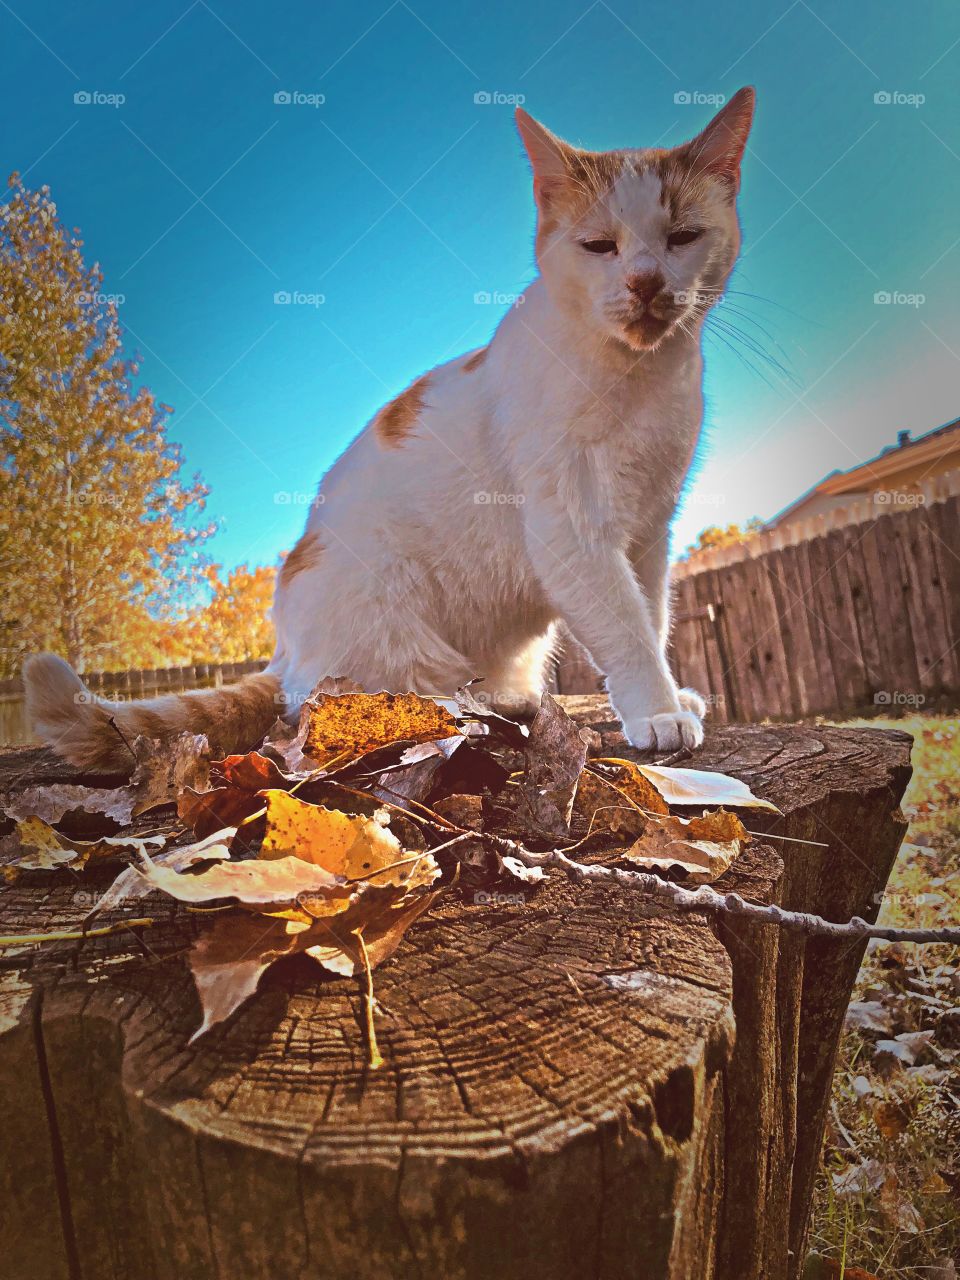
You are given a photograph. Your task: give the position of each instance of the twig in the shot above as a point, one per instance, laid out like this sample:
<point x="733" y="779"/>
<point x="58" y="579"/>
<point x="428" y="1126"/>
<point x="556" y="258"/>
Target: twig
<point x="75" y="935"/>
<point x="368" y="1002"/>
<point x="112" y="721"/>
<point x="706" y="899"/>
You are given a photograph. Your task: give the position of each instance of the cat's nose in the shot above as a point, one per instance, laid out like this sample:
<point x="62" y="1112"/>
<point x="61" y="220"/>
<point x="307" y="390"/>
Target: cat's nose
<point x="645" y="286"/>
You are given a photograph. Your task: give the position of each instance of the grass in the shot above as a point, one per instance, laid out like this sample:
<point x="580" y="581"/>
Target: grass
<point x="893" y="1142"/>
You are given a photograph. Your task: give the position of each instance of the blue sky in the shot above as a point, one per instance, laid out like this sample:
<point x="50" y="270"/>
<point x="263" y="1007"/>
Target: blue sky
<point x="401" y="198"/>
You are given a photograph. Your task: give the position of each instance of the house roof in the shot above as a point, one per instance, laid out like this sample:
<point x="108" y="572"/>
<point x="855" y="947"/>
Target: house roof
<point x="870" y="475"/>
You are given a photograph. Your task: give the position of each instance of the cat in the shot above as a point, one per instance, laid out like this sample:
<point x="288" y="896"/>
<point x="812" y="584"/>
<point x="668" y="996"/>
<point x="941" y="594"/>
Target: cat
<point x="529" y="481"/>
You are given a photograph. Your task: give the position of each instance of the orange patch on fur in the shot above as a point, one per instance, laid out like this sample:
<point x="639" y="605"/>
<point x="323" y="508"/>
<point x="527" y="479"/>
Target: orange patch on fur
<point x="304" y="555"/>
<point x="475" y="361"/>
<point x="396" y="420"/>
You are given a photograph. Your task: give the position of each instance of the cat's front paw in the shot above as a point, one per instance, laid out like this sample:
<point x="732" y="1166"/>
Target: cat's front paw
<point x="666" y="732"/>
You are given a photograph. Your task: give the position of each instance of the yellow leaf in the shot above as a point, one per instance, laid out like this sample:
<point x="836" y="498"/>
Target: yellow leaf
<point x="36" y="846"/>
<point x="350" y="724"/>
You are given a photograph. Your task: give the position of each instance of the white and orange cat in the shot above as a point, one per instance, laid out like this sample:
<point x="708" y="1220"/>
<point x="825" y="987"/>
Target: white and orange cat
<point x="529" y="481"/>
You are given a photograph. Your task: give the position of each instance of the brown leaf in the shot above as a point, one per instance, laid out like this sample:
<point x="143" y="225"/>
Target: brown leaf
<point x="554" y="757"/>
<point x="210" y="811"/>
<point x="613" y="796"/>
<point x="891" y="1118"/>
<point x="53" y="802"/>
<point x="414" y="776"/>
<point x="700" y="850"/>
<point x="462" y="810"/>
<point x="229" y="960"/>
<point x="496" y="725"/>
<point x="165" y="768"/>
<point x="351" y="724"/>
<point x="250" y="772"/>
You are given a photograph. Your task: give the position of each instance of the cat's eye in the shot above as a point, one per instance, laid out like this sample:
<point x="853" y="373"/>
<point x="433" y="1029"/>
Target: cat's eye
<point x="599" y="246"/>
<point x="685" y="235"/>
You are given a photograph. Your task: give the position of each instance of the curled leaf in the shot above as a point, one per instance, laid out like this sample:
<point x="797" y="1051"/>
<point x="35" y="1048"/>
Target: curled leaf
<point x="699" y="787"/>
<point x="35" y="846"/>
<point x="700" y="850"/>
<point x="553" y="760"/>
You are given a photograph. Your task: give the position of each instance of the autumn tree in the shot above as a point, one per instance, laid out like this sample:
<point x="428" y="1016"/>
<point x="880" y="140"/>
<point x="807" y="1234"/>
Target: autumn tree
<point x="235" y="625"/>
<point x="98" y="542"/>
<point x="730" y="535"/>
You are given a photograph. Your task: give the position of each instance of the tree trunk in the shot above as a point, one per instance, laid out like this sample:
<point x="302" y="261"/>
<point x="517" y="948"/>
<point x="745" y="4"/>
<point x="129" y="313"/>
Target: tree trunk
<point x="574" y="1084"/>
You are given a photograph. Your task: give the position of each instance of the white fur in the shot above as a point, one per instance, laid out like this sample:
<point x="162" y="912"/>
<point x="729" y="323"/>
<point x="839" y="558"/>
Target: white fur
<point x="538" y="486"/>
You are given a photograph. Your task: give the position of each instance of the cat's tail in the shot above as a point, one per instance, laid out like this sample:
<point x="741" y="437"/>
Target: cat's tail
<point x="93" y="733"/>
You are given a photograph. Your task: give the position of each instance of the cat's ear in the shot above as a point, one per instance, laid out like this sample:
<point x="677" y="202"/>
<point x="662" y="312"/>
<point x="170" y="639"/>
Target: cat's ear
<point x="720" y="147"/>
<point x="549" y="157"/>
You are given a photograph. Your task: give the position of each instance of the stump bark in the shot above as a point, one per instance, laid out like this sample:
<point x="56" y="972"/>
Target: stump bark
<point x="575" y="1084"/>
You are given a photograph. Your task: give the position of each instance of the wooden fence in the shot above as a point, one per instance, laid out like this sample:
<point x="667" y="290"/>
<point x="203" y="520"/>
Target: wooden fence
<point x="858" y="616"/>
<point x="123" y="686"/>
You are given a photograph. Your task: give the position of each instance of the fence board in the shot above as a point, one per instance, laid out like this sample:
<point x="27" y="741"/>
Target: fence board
<point x="866" y="614"/>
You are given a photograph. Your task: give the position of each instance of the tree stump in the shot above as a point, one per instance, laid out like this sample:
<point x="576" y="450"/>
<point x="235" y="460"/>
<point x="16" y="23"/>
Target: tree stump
<point x="575" y="1084"/>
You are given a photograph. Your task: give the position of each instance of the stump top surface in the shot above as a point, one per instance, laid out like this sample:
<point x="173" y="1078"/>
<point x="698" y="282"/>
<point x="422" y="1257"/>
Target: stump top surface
<point x="508" y="1028"/>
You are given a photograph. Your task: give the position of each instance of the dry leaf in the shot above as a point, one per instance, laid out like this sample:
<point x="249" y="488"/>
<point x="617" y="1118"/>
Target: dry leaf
<point x="700" y="849"/>
<point x="891" y="1118"/>
<point x="229" y="960"/>
<point x="859" y="1179"/>
<point x="897" y="1208"/>
<point x="130" y="885"/>
<point x="210" y="811"/>
<point x="614" y="797"/>
<point x="698" y="787"/>
<point x="53" y="802"/>
<point x="164" y="768"/>
<point x="869" y="1015"/>
<point x="478" y="713"/>
<point x="324" y="880"/>
<point x="462" y="810"/>
<point x="35" y="846"/>
<point x="554" y="757"/>
<point x="414" y="776"/>
<point x="351" y="724"/>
